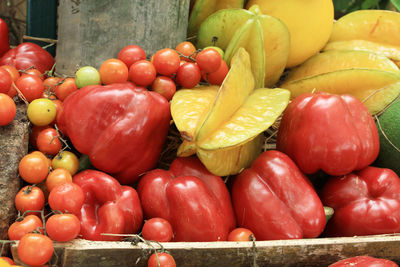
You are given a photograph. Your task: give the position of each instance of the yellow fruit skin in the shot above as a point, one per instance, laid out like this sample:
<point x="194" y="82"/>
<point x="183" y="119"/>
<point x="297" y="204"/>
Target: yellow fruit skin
<point x="309" y="22"/>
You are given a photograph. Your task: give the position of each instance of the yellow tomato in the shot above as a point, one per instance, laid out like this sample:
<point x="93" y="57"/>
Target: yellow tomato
<point x="41" y="111"/>
<point x="66" y="160"/>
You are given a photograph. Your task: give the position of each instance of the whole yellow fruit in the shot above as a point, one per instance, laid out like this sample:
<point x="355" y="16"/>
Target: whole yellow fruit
<point x="309" y="22"/>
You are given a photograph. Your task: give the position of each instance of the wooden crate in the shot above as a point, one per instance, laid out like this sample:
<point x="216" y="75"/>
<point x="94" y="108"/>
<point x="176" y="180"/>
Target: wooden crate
<point x="304" y="252"/>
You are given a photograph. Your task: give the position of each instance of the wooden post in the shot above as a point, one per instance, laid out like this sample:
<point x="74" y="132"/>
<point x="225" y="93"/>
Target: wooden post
<point x="13" y="146"/>
<point x="91" y="31"/>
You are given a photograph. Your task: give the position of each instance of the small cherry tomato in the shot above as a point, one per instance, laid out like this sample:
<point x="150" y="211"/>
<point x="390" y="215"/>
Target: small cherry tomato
<point x="217" y="77"/>
<point x="50" y="83"/>
<point x="186" y="49"/>
<point x="5" y="81"/>
<point x="41" y="111"/>
<point x="87" y="75"/>
<point x="66" y="160"/>
<point x="57" y="177"/>
<point x="34" y="134"/>
<point x="12" y="70"/>
<point x="63" y="227"/>
<point x="34" y="72"/>
<point x="48" y="141"/>
<point x="7" y="109"/>
<point x="161" y="259"/>
<point x="34" y="167"/>
<point x="142" y="73"/>
<point x="164" y="86"/>
<point x="66" y="197"/>
<point x="30" y="86"/>
<point x="113" y="71"/>
<point x="130" y="54"/>
<point x="157" y="229"/>
<point x="66" y="87"/>
<point x="20" y="228"/>
<point x="29" y="198"/>
<point x="241" y="234"/>
<point x="188" y="75"/>
<point x="208" y="60"/>
<point x="166" y="61"/>
<point x="35" y="249"/>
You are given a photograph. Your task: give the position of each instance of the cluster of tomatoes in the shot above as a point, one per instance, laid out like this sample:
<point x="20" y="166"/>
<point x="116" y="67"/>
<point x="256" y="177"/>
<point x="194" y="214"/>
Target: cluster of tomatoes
<point x="48" y="169"/>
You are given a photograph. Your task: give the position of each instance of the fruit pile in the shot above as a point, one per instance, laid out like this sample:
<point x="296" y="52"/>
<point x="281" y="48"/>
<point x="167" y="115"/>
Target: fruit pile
<point x="330" y="90"/>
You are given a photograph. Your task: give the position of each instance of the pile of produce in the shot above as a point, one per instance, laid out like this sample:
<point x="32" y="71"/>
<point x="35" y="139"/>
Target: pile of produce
<point x="322" y="93"/>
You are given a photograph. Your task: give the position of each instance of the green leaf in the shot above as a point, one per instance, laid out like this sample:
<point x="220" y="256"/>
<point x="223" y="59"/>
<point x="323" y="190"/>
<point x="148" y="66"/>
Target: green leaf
<point x="367" y="4"/>
<point x="396" y="3"/>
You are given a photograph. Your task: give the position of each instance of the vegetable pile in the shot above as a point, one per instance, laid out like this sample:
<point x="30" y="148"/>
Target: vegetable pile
<point x="252" y="78"/>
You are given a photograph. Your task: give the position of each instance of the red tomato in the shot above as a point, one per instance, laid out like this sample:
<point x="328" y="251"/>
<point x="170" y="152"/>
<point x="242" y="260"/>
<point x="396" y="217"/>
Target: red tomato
<point x="48" y="141"/>
<point x="50" y="83"/>
<point x="241" y="234"/>
<point x="35" y="249"/>
<point x="188" y="75"/>
<point x="63" y="227"/>
<point x="130" y="54"/>
<point x="7" y="109"/>
<point x="66" y="197"/>
<point x="166" y="61"/>
<point x="57" y="177"/>
<point x="29" y="198"/>
<point x="67" y="87"/>
<point x="186" y="49"/>
<point x="164" y="86"/>
<point x="34" y="72"/>
<point x="5" y="81"/>
<point x="30" y="86"/>
<point x="217" y="77"/>
<point x="12" y="70"/>
<point x="208" y="60"/>
<point x="161" y="259"/>
<point x="157" y="229"/>
<point x="20" y="228"/>
<point x="113" y="71"/>
<point x="34" y="134"/>
<point x="34" y="167"/>
<point x="142" y="73"/>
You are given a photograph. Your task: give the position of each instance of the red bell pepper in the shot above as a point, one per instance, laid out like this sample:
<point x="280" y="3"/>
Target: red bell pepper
<point x="366" y="202"/>
<point x="108" y="207"/>
<point x="364" y="261"/>
<point x="333" y="133"/>
<point x="275" y="200"/>
<point x="27" y="55"/>
<point x="120" y="127"/>
<point x="195" y="202"/>
<point x="4" y="42"/>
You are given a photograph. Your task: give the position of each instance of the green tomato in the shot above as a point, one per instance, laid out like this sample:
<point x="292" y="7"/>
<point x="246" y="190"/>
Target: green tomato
<point x="219" y="50"/>
<point x="41" y="111"/>
<point x="87" y="76"/>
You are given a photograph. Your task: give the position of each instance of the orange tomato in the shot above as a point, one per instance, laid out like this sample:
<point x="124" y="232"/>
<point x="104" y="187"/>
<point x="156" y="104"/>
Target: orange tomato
<point x="57" y="177"/>
<point x="34" y="167"/>
<point x="67" y="87"/>
<point x="48" y="141"/>
<point x="113" y="71"/>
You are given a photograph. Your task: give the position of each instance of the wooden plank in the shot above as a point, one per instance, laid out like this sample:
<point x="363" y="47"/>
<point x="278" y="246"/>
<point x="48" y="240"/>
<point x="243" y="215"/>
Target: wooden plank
<point x="89" y="32"/>
<point x="304" y="252"/>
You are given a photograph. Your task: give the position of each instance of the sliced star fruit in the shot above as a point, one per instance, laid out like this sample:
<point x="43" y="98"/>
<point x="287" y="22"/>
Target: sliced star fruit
<point x="224" y="128"/>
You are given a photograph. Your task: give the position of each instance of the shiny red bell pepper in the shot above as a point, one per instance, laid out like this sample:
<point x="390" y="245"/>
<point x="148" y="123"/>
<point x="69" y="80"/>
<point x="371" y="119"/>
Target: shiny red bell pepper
<point x="366" y="202"/>
<point x="108" y="207"/>
<point x="120" y="127"/>
<point x="27" y="55"/>
<point x="195" y="202"/>
<point x="328" y="132"/>
<point x="364" y="261"/>
<point x="275" y="200"/>
<point x="4" y="42"/>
